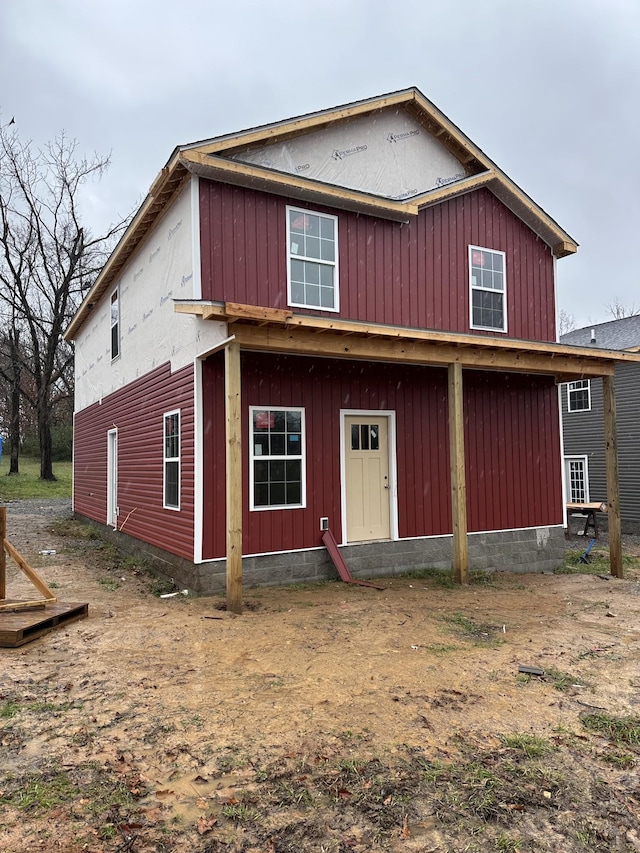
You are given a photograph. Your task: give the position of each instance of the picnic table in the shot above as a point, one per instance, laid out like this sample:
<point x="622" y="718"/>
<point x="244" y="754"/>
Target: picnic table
<point x="589" y="511"/>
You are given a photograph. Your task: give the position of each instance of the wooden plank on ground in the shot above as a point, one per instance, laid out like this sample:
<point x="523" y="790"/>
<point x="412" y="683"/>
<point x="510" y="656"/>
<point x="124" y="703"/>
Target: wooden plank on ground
<point x="16" y="629"/>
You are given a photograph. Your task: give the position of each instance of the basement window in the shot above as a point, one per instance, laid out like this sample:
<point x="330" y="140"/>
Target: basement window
<point x="312" y="259"/>
<point x="277" y="469"/>
<point x="487" y="277"/>
<point x="579" y="396"/>
<point x="172" y="460"/>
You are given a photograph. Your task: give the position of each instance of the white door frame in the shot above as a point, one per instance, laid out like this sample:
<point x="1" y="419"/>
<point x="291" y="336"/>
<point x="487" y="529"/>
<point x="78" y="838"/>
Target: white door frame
<point x="112" y="478"/>
<point x="390" y="415"/>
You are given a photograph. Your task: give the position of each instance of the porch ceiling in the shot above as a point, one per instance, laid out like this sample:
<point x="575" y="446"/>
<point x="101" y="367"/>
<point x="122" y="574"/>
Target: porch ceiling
<point x="280" y="330"/>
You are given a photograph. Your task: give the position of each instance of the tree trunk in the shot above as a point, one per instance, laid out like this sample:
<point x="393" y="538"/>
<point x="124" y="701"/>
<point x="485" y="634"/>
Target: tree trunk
<point x="14" y="427"/>
<point x="45" y="439"/>
<point x="14" y="403"/>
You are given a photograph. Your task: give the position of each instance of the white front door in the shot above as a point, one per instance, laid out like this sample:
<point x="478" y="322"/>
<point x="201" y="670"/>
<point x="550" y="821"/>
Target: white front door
<point x="112" y="477"/>
<point x="367" y="478"/>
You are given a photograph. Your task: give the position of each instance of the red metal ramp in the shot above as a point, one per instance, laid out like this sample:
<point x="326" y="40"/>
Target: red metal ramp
<point x="332" y="547"/>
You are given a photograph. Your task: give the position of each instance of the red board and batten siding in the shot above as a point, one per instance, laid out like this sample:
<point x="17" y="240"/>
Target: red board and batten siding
<point x="137" y="411"/>
<point x="511" y="432"/>
<point x="414" y="274"/>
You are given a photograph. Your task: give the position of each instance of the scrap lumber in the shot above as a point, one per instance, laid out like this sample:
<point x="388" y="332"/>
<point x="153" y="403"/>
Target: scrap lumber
<point x="338" y="561"/>
<point x="7" y="548"/>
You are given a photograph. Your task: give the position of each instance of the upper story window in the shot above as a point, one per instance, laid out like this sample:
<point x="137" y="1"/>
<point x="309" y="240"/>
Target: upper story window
<point x="579" y="396"/>
<point x="277" y="478"/>
<point x="115" y="324"/>
<point x="172" y="460"/>
<point x="488" y="299"/>
<point x="312" y="259"/>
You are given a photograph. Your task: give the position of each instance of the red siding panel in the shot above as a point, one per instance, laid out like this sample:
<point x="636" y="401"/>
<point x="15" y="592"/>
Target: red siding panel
<point x="513" y="451"/>
<point x="137" y="412"/>
<point x="512" y="437"/>
<point x="413" y="274"/>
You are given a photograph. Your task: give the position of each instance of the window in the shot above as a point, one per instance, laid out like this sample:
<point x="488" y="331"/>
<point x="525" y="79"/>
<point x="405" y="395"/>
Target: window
<point x="115" y="325"/>
<point x="577" y="479"/>
<point x="277" y="458"/>
<point x="488" y="289"/>
<point x="579" y="396"/>
<point x="172" y="460"/>
<point x="312" y="241"/>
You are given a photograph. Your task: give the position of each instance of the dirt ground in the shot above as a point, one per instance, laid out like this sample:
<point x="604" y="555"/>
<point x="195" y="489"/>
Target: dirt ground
<point x="326" y="718"/>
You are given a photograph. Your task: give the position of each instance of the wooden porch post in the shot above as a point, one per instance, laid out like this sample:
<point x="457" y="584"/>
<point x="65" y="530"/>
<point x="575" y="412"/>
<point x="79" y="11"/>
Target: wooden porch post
<point x="3" y="553"/>
<point x="613" y="483"/>
<point x="458" y="481"/>
<point x="234" y="476"/>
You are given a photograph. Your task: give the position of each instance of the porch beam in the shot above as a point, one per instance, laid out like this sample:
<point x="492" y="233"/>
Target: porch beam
<point x="613" y="482"/>
<point x="458" y="479"/>
<point x="301" y="341"/>
<point x="233" y="435"/>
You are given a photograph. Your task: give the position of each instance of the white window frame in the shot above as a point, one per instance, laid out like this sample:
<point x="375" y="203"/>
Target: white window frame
<point x="253" y="457"/>
<point x="114" y="324"/>
<point x="584" y="460"/>
<point x="572" y="387"/>
<point x="171" y="459"/>
<point x="478" y="287"/>
<point x="332" y="264"/>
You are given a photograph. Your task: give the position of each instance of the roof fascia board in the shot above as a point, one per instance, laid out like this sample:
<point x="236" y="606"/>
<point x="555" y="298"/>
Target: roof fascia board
<point x="231" y="171"/>
<point x="292" y="127"/>
<point x="126" y="245"/>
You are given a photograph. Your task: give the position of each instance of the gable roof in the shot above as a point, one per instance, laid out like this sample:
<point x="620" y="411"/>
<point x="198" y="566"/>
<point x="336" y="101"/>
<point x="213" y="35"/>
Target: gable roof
<point x="231" y="159"/>
<point x="623" y="334"/>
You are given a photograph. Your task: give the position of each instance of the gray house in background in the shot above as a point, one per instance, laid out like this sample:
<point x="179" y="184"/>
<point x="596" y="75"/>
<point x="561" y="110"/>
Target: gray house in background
<point x="583" y="423"/>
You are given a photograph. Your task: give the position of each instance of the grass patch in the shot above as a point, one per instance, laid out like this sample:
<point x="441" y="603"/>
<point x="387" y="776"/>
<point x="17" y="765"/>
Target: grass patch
<point x="530" y="745"/>
<point x="109" y="584"/>
<point x="9" y="710"/>
<point x="563" y="681"/>
<point x="466" y="627"/>
<point x="598" y="562"/>
<point x="41" y="792"/>
<point x="619" y="730"/>
<point x="445" y="577"/>
<point x="71" y="528"/>
<point x="27" y="483"/>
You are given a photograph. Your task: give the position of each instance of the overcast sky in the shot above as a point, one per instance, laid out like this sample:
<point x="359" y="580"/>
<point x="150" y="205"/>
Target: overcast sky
<point x="549" y="89"/>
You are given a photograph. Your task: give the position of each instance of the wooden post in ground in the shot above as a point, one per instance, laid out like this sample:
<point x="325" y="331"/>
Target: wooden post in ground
<point x="458" y="481"/>
<point x="3" y="553"/>
<point x="234" y="476"/>
<point x="613" y="482"/>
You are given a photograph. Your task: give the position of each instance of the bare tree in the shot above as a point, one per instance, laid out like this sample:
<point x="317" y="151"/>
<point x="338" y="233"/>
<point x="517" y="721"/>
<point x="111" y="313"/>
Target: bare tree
<point x="48" y="261"/>
<point x="566" y="322"/>
<point x="618" y="310"/>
